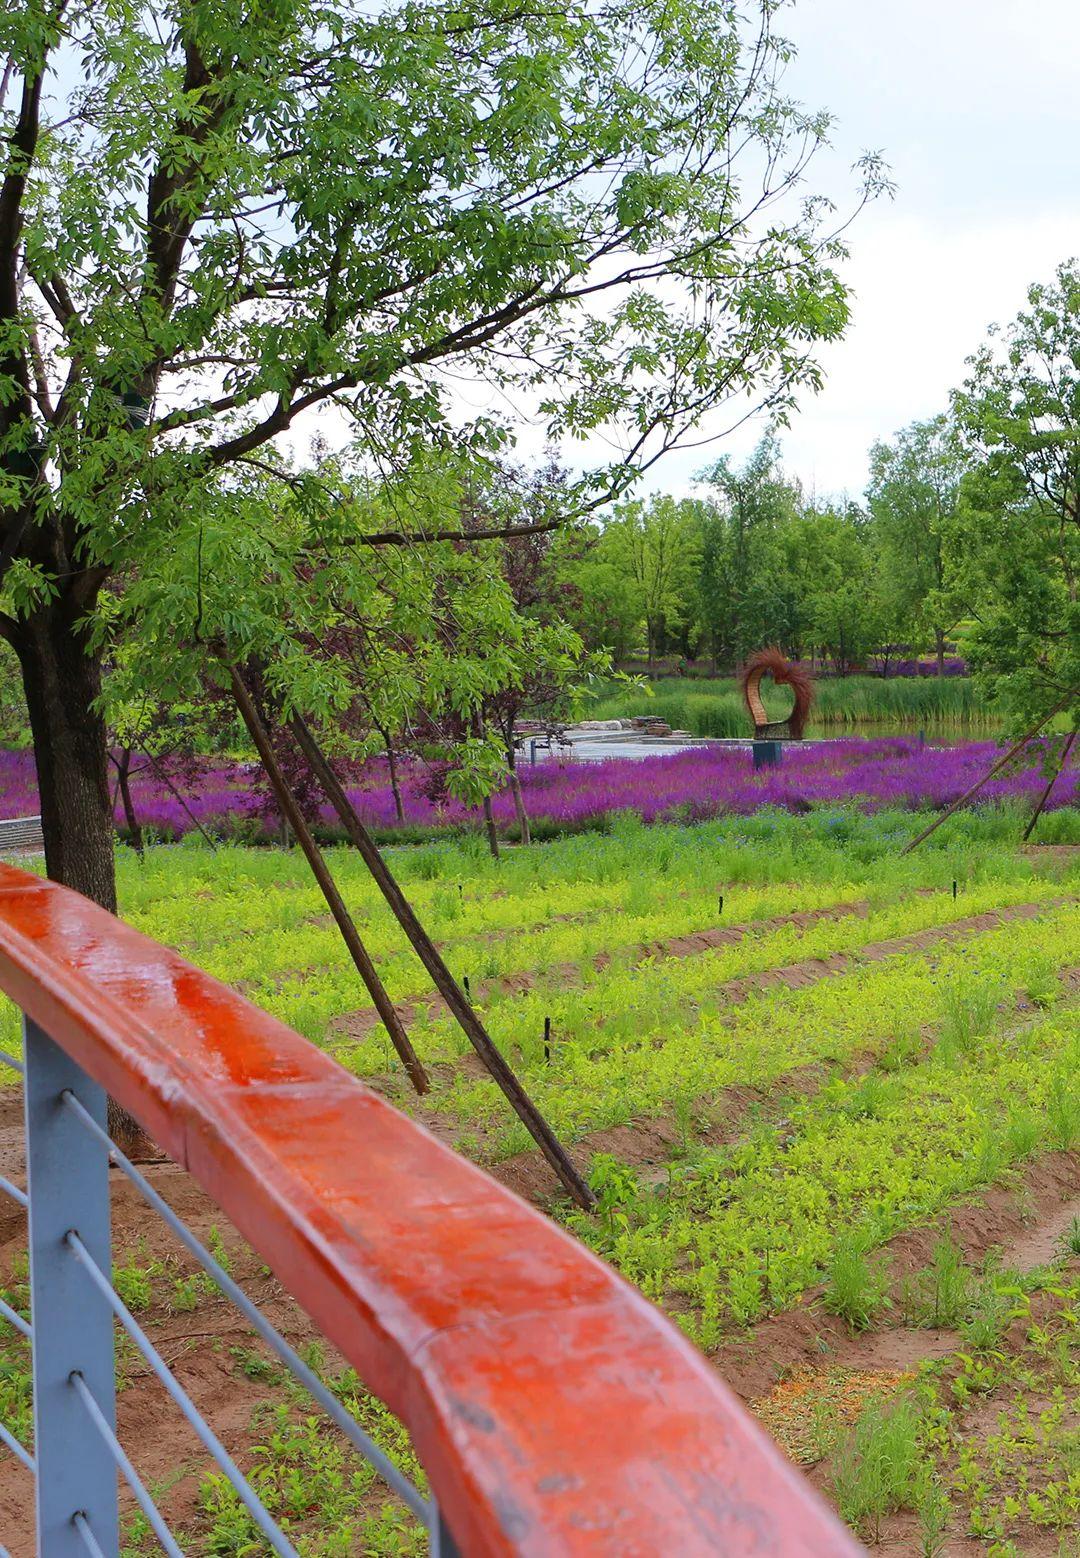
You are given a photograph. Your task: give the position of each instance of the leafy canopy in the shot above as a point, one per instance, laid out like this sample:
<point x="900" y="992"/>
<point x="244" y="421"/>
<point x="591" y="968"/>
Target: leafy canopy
<point x="1017" y="541"/>
<point x="216" y="217"/>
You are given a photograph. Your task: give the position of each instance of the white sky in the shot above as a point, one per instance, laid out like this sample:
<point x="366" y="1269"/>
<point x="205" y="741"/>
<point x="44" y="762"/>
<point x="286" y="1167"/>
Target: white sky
<point x="976" y="107"/>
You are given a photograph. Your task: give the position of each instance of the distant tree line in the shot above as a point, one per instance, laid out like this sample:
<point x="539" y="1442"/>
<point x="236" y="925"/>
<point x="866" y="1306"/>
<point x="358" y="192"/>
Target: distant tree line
<point x="751" y="560"/>
<point x="969" y="527"/>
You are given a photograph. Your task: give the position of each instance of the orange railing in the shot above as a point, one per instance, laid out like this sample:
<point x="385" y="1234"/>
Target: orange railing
<point x="554" y="1409"/>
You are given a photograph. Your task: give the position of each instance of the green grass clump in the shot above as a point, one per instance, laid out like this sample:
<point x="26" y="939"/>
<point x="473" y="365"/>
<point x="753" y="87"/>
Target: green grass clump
<point x="877" y="1470"/>
<point x="856" y="1287"/>
<point x="940" y="1294"/>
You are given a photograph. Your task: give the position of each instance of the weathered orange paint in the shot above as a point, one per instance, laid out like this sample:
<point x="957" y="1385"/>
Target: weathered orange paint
<point x="555" y="1410"/>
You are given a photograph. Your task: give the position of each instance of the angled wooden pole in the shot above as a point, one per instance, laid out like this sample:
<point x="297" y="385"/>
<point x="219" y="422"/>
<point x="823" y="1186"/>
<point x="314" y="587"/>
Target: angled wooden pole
<point x="443" y="979"/>
<point x="1011" y="753"/>
<point x="175" y="793"/>
<point x="322" y="874"/>
<point x="1045" y="796"/>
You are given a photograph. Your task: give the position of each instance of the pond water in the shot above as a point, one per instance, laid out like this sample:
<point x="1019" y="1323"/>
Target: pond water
<point x="598" y="746"/>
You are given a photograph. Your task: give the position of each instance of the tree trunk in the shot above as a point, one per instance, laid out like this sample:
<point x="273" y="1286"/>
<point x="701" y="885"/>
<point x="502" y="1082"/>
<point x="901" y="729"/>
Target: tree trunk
<point x="123" y="769"/>
<point x="61" y="682"/>
<point x="519" y="805"/>
<point x="939" y="639"/>
<point x="395" y="787"/>
<point x="489" y="825"/>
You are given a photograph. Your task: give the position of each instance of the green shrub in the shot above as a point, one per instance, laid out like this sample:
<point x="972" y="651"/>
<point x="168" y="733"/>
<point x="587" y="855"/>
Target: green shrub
<point x="940" y="1294"/>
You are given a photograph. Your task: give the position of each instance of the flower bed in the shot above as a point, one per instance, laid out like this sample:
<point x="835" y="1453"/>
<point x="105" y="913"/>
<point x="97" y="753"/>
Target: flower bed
<point x="952" y="665"/>
<point x="700" y="783"/>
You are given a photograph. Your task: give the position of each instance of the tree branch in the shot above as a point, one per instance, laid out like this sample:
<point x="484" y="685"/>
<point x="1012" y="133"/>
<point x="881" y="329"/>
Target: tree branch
<point x="22" y="144"/>
<point x="494" y="533"/>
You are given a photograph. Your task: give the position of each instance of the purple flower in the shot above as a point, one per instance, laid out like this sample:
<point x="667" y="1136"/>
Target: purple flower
<point x="699" y="783"/>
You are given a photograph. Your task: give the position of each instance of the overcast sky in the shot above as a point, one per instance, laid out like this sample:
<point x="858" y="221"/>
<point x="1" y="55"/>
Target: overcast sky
<point x="976" y="106"/>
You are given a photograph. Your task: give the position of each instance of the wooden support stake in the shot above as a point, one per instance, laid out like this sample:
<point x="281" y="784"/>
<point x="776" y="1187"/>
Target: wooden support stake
<point x="1011" y="753"/>
<point x="1045" y="796"/>
<point x="444" y="981"/>
<point x="321" y="872"/>
<point x="175" y="793"/>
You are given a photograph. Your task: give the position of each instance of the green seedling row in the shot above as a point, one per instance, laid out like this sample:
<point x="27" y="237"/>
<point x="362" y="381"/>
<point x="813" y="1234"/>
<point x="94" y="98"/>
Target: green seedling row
<point x="738" y="1230"/>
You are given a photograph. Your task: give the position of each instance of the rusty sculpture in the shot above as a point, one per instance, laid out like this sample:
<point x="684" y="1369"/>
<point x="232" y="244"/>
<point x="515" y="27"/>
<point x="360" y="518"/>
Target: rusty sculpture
<point x="785" y="673"/>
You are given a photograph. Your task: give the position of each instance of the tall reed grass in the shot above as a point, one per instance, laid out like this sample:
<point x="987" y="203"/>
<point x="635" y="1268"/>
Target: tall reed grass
<point x="715" y="708"/>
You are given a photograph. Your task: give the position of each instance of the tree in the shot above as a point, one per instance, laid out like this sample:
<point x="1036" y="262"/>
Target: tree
<point x="550" y="667"/>
<point x="913" y="493"/>
<point x="656" y="546"/>
<point x="839" y="606"/>
<point x="216" y="217"/>
<point x="1016" y="539"/>
<point x="748" y="594"/>
<point x="600" y="601"/>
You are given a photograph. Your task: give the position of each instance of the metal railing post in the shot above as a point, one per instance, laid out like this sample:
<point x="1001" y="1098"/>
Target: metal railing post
<point x="442" y="1543"/>
<point x="68" y="1182"/>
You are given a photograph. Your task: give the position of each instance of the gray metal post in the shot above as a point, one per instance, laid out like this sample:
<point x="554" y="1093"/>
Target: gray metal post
<point x="442" y="1543"/>
<point x="68" y="1180"/>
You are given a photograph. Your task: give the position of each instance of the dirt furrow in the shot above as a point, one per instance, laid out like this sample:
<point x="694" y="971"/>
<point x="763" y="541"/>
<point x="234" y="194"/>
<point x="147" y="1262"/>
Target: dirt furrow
<point x="356" y="1024"/>
<point x="1023" y="1219"/>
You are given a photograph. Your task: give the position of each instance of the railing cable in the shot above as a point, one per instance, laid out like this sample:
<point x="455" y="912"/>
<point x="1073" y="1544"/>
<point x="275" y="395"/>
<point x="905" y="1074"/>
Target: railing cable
<point x="131" y="1476"/>
<point x="9" y="1060"/>
<point x="18" y="1451"/>
<point x="13" y="1317"/>
<point x="90" y="1541"/>
<point x="390" y="1474"/>
<point x="247" y="1495"/>
<point x="13" y="1191"/>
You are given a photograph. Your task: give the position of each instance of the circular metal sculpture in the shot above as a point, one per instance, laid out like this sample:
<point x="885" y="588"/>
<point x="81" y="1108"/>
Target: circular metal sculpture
<point x="785" y="673"/>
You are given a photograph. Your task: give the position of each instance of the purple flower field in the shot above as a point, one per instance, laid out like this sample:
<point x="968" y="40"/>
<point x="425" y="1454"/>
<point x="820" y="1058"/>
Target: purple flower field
<point x="693" y="785"/>
<point x="953" y="665"/>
